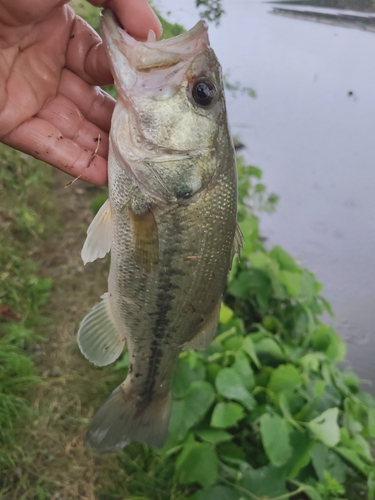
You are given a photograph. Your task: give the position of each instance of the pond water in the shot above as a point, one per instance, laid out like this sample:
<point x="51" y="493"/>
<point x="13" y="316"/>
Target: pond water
<point x="311" y="129"/>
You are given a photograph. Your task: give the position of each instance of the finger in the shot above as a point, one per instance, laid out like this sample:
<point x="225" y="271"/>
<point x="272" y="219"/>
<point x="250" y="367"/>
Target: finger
<point x="95" y="104"/>
<point x="44" y="141"/>
<point x="85" y="54"/>
<point x="136" y="16"/>
<point x="67" y="118"/>
<point x="25" y="12"/>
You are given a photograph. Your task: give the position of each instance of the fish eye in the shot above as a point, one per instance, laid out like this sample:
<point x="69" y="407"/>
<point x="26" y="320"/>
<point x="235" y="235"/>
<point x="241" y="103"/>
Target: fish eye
<point x="203" y="92"/>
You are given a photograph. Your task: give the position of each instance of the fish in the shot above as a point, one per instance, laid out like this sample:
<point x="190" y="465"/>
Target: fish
<point x="170" y="223"/>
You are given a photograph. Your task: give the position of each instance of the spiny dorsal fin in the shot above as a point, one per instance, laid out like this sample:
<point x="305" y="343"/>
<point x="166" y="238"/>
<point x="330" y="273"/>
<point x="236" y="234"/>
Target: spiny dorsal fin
<point x="237" y="243"/>
<point x="98" y="338"/>
<point x="145" y="238"/>
<point x="99" y="235"/>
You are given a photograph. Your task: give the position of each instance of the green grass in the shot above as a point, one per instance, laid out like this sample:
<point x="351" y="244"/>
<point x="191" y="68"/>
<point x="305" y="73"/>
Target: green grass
<point x="23" y="194"/>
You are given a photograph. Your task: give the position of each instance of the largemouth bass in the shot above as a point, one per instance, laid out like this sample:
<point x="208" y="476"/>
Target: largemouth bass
<point x="169" y="222"/>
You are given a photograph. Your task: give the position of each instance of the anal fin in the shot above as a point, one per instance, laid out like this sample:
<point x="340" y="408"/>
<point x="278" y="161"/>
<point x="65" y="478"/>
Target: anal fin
<point x="145" y="238"/>
<point x="98" y="338"/>
<point x="99" y="235"/>
<point x="205" y="335"/>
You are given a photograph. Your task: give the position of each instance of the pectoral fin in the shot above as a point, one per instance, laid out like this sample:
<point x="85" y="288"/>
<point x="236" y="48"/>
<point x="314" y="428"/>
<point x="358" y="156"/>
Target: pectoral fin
<point x="99" y="235"/>
<point x="145" y="238"/>
<point x="204" y="337"/>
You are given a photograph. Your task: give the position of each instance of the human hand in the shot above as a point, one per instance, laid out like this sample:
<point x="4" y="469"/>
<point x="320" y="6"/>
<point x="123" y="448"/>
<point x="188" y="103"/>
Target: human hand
<point x="51" y="62"/>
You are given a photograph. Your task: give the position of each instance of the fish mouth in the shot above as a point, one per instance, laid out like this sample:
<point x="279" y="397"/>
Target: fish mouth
<point x="150" y="55"/>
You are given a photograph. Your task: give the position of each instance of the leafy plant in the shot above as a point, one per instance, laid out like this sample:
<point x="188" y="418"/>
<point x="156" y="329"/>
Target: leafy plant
<point x="265" y="411"/>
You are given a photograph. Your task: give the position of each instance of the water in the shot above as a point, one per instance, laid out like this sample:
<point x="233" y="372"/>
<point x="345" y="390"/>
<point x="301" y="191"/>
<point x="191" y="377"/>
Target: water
<point x="355" y="5"/>
<point x="311" y="129"/>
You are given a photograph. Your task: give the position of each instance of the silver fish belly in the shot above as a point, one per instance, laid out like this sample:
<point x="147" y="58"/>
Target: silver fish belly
<point x="169" y="222"/>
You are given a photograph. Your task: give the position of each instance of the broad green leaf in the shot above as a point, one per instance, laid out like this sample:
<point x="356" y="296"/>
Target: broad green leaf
<point x="337" y="348"/>
<point x="260" y="188"/>
<point x="230" y="385"/>
<point x="214" y="436"/>
<point x="291" y="281"/>
<point x="326" y="306"/>
<point x="198" y="463"/>
<point x="301" y="445"/>
<point x="252" y="282"/>
<point x="308" y="290"/>
<point x="268" y="347"/>
<point x="265" y="482"/>
<point x="226" y="415"/>
<point x="293" y="352"/>
<point x="216" y="492"/>
<point x="366" y="399"/>
<point x="371" y="422"/>
<point x="212" y="370"/>
<point x="239" y="287"/>
<point x="279" y="290"/>
<point x="230" y="452"/>
<point x="321" y="338"/>
<point x="258" y="260"/>
<point x="351" y="380"/>
<point x="319" y="388"/>
<point x="226" y="314"/>
<point x="249" y="227"/>
<point x="233" y="343"/>
<point x="326" y="459"/>
<point x="184" y="376"/>
<point x="222" y="337"/>
<point x="271" y="324"/>
<point x="353" y="458"/>
<point x="362" y="446"/>
<point x="284" y="403"/>
<point x="177" y="429"/>
<point x="242" y="366"/>
<point x="325" y="427"/>
<point x="249" y="348"/>
<point x="310" y="362"/>
<point x="285" y="378"/>
<point x="285" y="261"/>
<point x="350" y="423"/>
<point x="254" y="172"/>
<point x="371" y="485"/>
<point x="189" y="410"/>
<point x="330" y="398"/>
<point x="356" y="442"/>
<point x="312" y="493"/>
<point x="275" y="434"/>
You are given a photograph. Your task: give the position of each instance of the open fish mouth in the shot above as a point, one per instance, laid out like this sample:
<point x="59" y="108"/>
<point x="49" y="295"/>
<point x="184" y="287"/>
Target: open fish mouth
<point x="151" y="54"/>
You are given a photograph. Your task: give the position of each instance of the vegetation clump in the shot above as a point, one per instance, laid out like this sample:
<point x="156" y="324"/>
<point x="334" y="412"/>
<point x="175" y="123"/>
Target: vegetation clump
<point x="266" y="412"/>
<point x="22" y="291"/>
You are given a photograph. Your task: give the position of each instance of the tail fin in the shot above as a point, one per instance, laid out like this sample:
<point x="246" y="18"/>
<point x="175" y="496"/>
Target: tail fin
<point x="119" y="422"/>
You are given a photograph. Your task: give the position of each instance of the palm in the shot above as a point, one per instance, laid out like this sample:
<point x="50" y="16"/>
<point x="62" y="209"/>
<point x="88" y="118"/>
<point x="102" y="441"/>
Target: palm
<point x="50" y="62"/>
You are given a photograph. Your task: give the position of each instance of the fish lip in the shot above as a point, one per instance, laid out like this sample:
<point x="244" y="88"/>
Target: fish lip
<point x="150" y="55"/>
